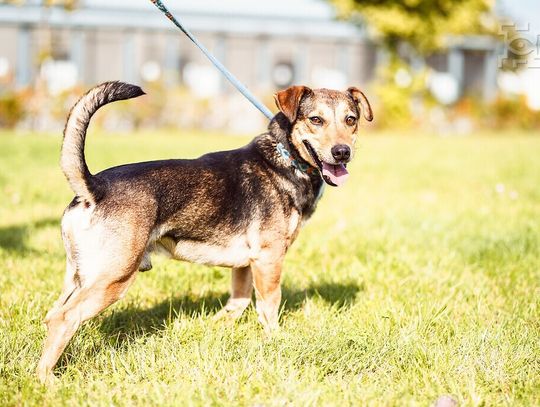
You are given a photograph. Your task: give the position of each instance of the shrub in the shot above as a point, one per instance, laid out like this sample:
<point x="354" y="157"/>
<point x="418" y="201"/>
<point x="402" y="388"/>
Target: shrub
<point x="11" y="110"/>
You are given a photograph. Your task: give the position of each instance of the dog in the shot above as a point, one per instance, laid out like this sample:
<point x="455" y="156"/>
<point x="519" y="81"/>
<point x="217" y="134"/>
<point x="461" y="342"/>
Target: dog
<point x="240" y="209"/>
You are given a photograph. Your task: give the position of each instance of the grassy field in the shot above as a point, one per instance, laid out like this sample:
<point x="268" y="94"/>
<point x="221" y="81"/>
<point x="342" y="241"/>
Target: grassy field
<point x="420" y="277"/>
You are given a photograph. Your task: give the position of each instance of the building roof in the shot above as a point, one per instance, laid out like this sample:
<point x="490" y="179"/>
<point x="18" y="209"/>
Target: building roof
<point x="313" y="18"/>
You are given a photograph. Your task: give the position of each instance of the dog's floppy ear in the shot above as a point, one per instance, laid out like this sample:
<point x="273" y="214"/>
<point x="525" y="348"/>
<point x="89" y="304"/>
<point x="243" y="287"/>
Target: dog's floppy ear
<point x="362" y="101"/>
<point x="289" y="99"/>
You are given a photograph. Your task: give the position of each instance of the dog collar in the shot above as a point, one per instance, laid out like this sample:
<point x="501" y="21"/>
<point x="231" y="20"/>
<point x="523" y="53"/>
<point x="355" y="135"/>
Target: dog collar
<point x="286" y="154"/>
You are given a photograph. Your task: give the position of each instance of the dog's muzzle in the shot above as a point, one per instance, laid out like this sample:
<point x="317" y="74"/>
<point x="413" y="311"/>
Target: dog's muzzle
<point x="333" y="174"/>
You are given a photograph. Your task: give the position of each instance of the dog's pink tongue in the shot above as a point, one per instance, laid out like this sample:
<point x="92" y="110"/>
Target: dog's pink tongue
<point x="337" y="174"/>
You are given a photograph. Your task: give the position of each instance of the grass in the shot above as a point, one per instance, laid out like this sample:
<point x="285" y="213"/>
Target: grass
<point x="420" y="277"/>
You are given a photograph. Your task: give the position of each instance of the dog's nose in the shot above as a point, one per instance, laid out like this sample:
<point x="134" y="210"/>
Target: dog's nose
<point x="341" y="153"/>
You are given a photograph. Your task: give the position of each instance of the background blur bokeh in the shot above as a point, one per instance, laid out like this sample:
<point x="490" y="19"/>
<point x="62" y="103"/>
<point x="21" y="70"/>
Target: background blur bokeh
<point x="450" y="66"/>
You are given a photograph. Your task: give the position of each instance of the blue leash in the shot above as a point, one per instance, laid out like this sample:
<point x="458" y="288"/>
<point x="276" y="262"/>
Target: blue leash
<point x="236" y="83"/>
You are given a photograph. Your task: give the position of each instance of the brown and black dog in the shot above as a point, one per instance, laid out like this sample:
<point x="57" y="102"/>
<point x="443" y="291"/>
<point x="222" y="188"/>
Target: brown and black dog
<point x="240" y="209"/>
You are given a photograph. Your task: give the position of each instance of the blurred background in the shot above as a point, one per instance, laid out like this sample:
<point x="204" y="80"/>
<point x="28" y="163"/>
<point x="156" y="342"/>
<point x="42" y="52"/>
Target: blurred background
<point x="453" y="67"/>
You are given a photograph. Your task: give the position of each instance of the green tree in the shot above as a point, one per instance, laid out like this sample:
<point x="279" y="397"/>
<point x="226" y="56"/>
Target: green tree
<point x="424" y="24"/>
<point x="424" y="27"/>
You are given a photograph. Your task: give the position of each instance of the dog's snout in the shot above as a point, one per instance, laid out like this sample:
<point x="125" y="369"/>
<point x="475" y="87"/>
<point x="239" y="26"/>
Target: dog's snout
<point x="341" y="153"/>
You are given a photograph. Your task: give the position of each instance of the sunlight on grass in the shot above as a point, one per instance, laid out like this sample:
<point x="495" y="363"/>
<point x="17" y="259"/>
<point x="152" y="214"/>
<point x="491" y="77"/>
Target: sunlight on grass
<point x="419" y="277"/>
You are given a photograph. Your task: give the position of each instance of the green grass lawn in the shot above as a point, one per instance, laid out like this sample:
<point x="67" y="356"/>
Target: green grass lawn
<point x="420" y="277"/>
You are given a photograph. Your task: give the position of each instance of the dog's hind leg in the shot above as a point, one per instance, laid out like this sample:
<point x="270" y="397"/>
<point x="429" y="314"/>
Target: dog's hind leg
<point x="70" y="286"/>
<point x="71" y="278"/>
<point x="84" y="302"/>
<point x="98" y="274"/>
<point x="241" y="290"/>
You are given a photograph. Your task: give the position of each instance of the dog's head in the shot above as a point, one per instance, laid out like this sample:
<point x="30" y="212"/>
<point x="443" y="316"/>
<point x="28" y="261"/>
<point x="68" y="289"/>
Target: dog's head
<point x="324" y="124"/>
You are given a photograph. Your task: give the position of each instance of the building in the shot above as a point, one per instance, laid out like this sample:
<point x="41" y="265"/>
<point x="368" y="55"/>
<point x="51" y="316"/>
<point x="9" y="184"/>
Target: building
<point x="267" y="45"/>
<point x="264" y="45"/>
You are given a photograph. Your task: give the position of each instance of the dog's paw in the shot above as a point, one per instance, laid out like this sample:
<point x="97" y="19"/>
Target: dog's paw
<point x="270" y="330"/>
<point x="233" y="309"/>
<point x="46" y="378"/>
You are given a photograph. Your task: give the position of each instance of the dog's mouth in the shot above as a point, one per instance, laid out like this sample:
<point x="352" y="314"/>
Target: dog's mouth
<point x="333" y="174"/>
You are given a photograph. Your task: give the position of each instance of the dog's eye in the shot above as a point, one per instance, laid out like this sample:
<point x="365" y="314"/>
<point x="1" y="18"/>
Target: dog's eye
<point x="316" y="120"/>
<point x="350" y="120"/>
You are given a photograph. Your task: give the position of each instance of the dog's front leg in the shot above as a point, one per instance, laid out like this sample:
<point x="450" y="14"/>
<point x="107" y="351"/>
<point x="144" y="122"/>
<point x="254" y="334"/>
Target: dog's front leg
<point x="241" y="289"/>
<point x="267" y="279"/>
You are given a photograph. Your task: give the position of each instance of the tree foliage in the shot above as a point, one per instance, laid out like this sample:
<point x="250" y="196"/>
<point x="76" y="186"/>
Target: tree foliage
<point x="424" y="24"/>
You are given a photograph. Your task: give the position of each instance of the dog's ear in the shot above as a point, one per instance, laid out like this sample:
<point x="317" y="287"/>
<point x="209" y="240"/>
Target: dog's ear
<point x="361" y="100"/>
<point x="288" y="100"/>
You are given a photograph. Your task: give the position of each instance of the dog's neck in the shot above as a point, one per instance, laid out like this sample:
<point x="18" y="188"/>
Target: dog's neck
<point x="281" y="128"/>
<point x="304" y="187"/>
<point x="287" y="156"/>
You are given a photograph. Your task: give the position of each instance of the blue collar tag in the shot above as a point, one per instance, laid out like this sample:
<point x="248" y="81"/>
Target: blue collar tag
<point x="286" y="154"/>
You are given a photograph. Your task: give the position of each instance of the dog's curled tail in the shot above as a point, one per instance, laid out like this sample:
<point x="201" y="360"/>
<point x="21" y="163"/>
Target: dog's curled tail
<point x="72" y="159"/>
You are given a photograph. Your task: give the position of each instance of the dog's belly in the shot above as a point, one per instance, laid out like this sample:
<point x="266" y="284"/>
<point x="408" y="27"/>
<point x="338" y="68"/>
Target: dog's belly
<point x="233" y="252"/>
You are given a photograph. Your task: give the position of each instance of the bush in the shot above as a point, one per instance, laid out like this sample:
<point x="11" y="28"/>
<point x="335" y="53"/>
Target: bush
<point x="512" y="112"/>
<point x="11" y="110"/>
<point x="400" y="103"/>
<point x="505" y="112"/>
